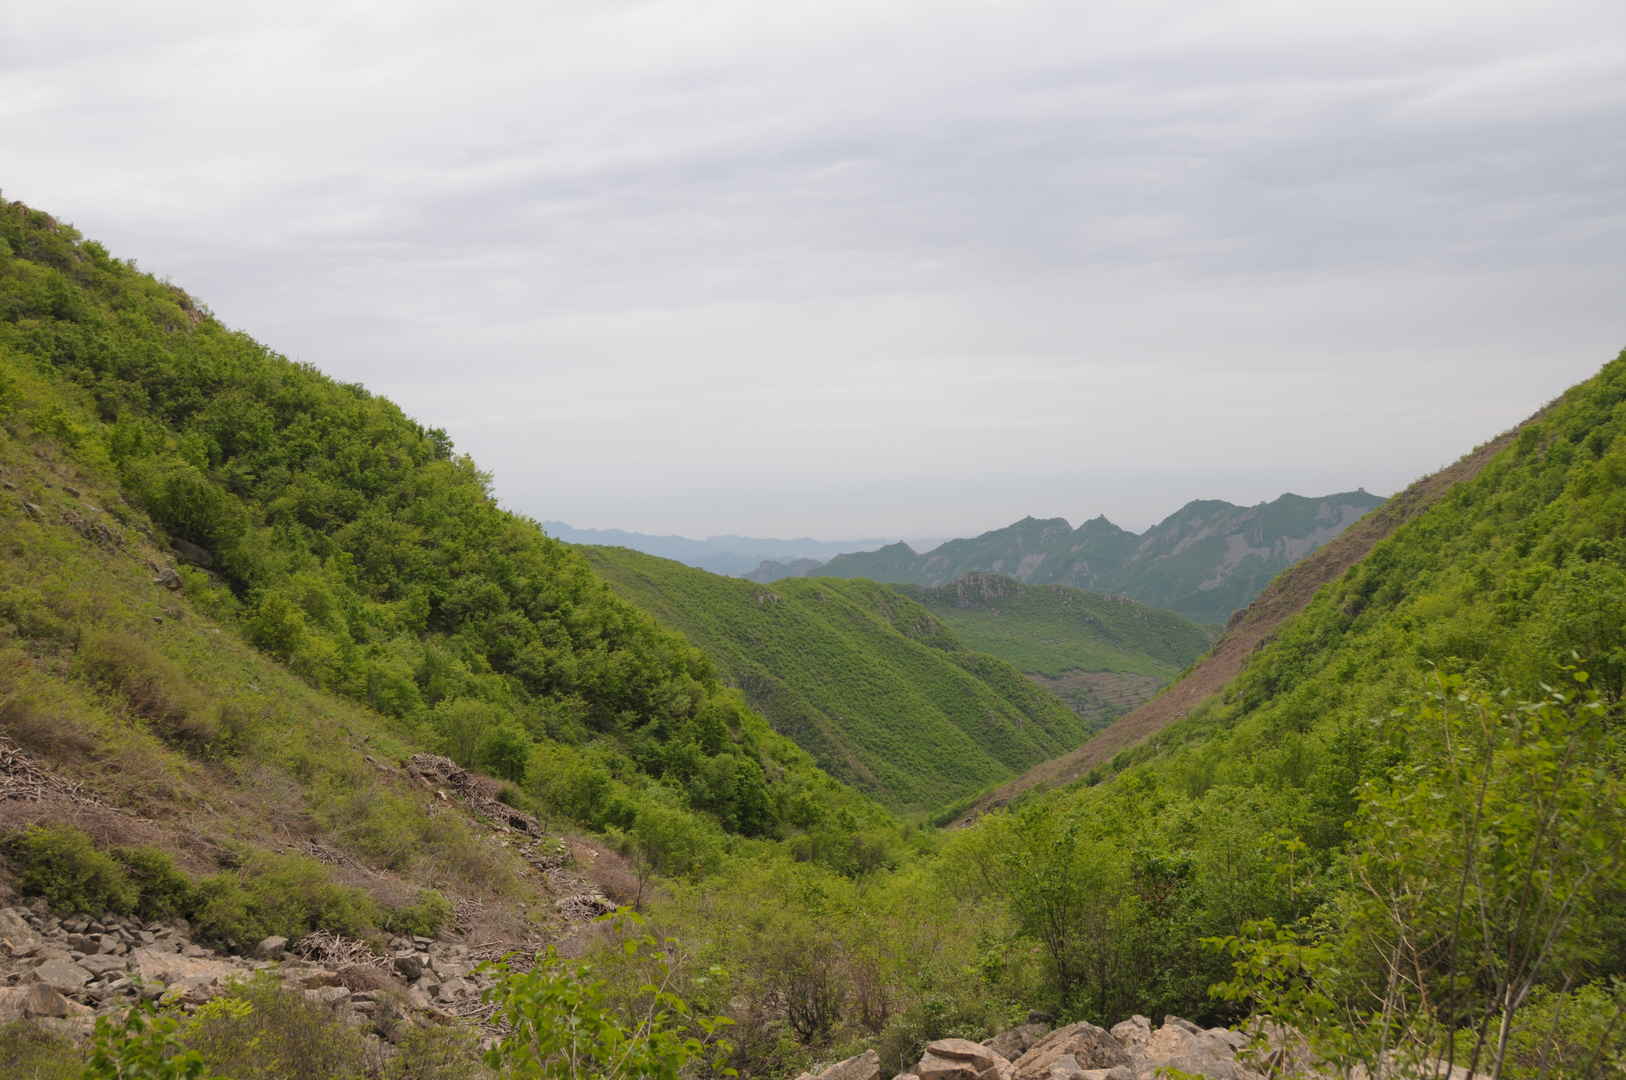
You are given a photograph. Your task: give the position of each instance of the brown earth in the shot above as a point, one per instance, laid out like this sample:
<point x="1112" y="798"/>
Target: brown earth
<point x="1249" y="629"/>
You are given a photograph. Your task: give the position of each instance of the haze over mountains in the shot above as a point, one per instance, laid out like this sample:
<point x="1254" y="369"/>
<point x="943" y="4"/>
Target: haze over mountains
<point x="1205" y="561"/>
<point x="732" y="555"/>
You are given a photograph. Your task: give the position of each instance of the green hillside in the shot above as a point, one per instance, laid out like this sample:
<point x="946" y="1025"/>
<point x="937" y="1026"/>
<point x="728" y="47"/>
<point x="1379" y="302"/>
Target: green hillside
<point x="1052" y="629"/>
<point x="875" y="687"/>
<point x="318" y="523"/>
<point x="1455" y="697"/>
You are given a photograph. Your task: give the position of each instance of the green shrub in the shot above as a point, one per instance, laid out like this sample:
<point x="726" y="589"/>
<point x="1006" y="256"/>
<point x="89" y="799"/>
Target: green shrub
<point x="260" y="1031"/>
<point x="142" y="1045"/>
<point x="29" y="1052"/>
<point x="286" y="895"/>
<point x="424" y="916"/>
<point x="561" y="1023"/>
<point x="163" y="891"/>
<point x="60" y="863"/>
<point x="438" y="1053"/>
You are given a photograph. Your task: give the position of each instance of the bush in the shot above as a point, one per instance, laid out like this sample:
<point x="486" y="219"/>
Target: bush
<point x="424" y="916"/>
<point x="561" y="1024"/>
<point x="286" y="895"/>
<point x="61" y="864"/>
<point x="260" y="1031"/>
<point x="141" y="1046"/>
<point x="29" y="1052"/>
<point x="163" y="891"/>
<point x="438" y="1053"/>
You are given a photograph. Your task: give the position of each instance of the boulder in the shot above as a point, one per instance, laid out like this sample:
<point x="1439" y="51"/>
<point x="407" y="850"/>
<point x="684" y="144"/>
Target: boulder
<point x="328" y="995"/>
<point x="1012" y="1044"/>
<point x="63" y="976"/>
<point x="1180" y="1044"/>
<point x="271" y="948"/>
<point x="1090" y="1047"/>
<point x="154" y="964"/>
<point x="962" y="1059"/>
<point x="35" y="1001"/>
<point x="408" y="965"/>
<point x="101" y="964"/>
<point x="16" y="936"/>
<point x="1133" y="1033"/>
<point x="866" y="1066"/>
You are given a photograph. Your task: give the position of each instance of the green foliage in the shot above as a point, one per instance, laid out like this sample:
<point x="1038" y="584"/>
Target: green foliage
<point x="162" y="891"/>
<point x="285" y="895"/>
<point x="1484" y="877"/>
<point x="351" y="543"/>
<point x="63" y="865"/>
<point x="560" y="1021"/>
<point x="1053" y="629"/>
<point x="260" y="1030"/>
<point x="30" y="1052"/>
<point x="870" y="683"/>
<point x="143" y="1044"/>
<point x="425" y="916"/>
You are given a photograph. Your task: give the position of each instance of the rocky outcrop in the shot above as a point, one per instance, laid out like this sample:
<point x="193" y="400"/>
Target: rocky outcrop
<point x="866" y="1066"/>
<point x="72" y="969"/>
<point x="1132" y="1050"/>
<point x="961" y="1059"/>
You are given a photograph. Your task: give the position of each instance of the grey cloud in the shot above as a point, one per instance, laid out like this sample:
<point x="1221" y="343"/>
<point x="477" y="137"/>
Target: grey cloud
<point x="713" y="266"/>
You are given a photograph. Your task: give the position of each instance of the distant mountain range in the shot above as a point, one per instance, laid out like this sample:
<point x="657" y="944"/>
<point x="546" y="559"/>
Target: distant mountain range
<point x="735" y="556"/>
<point x="1206" y="561"/>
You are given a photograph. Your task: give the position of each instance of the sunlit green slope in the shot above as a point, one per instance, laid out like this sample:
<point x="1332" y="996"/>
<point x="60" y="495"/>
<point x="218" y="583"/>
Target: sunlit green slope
<point x="351" y="544"/>
<point x="870" y="682"/>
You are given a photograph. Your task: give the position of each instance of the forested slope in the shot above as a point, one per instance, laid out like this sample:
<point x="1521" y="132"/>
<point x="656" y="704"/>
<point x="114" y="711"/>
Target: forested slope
<point x="1441" y="720"/>
<point x="871" y="683"/>
<point x="1103" y="655"/>
<point x="352" y="544"/>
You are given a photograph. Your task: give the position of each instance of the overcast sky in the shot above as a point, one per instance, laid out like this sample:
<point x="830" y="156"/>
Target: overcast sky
<point x="870" y="269"/>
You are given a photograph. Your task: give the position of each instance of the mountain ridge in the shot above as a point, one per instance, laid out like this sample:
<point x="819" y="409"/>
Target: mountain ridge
<point x="1205" y="561"/>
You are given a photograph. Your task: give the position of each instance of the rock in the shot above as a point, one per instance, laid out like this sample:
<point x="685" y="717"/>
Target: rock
<point x="34" y="1001"/>
<point x="18" y="938"/>
<point x="189" y="552"/>
<point x="1180" y="1044"/>
<point x="271" y="948"/>
<point x="328" y="995"/>
<point x="100" y="965"/>
<point x="408" y="965"/>
<point x="1133" y="1033"/>
<point x="155" y="964"/>
<point x="962" y="1059"/>
<point x="1017" y="1041"/>
<point x="63" y="976"/>
<point x="866" y="1066"/>
<point x="1090" y="1047"/>
<point x="169" y="579"/>
<point x="454" y="989"/>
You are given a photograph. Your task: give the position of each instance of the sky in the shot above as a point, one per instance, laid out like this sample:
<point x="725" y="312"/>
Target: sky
<point x="842" y="269"/>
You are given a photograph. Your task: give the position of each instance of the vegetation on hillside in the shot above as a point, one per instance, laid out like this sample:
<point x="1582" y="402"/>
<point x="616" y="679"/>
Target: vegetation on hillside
<point x="1053" y="629"/>
<point x="350" y="542"/>
<point x="1403" y="827"/>
<point x="880" y="691"/>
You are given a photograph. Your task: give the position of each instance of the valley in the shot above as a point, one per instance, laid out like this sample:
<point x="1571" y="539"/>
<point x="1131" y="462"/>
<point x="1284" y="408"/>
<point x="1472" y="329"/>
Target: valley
<point x="301" y="728"/>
